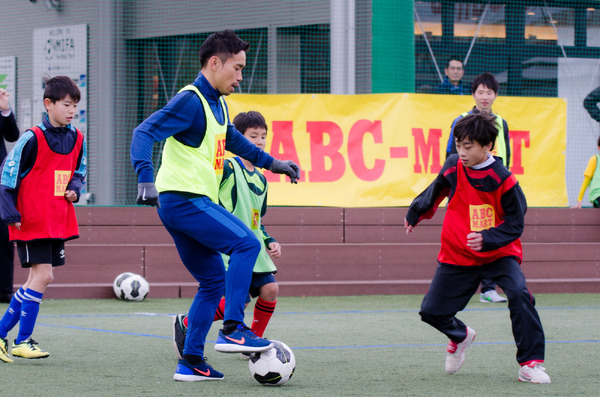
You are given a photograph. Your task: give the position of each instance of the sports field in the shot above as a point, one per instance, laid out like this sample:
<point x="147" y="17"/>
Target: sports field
<point x="344" y="346"/>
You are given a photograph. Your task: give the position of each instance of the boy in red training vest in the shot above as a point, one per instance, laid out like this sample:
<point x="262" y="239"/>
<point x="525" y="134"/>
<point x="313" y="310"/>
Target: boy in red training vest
<point x="480" y="239"/>
<point x="41" y="179"/>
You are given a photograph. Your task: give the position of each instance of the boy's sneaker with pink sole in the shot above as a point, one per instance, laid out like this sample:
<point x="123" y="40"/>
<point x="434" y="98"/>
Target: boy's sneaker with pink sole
<point x="533" y="373"/>
<point x="455" y="352"/>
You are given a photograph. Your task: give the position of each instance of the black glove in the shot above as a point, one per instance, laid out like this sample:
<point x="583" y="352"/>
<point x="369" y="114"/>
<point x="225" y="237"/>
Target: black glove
<point x="286" y="167"/>
<point x="147" y="194"/>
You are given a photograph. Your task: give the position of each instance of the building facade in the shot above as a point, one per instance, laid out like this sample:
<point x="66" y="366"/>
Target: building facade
<point x="139" y="53"/>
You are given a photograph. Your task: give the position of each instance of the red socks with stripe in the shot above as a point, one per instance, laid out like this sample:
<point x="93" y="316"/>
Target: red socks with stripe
<point x="263" y="310"/>
<point x="220" y="314"/>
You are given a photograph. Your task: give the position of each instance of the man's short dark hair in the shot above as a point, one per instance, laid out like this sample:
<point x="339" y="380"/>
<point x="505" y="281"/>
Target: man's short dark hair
<point x="58" y="87"/>
<point x="223" y="44"/>
<point x="479" y="127"/>
<point x="487" y="80"/>
<point x="252" y="119"/>
<point x="453" y="58"/>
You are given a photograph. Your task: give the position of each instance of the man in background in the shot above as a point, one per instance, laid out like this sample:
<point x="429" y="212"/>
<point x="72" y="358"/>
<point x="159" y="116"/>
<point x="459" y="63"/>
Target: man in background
<point x="10" y="132"/>
<point x="452" y="84"/>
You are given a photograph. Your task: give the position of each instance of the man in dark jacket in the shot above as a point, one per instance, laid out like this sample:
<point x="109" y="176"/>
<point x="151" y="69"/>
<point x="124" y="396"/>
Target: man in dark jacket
<point x="590" y="103"/>
<point x="452" y="84"/>
<point x="10" y="132"/>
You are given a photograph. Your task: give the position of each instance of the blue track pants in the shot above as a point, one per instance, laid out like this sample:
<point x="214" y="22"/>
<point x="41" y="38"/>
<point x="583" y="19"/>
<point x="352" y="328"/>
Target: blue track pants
<point x="201" y="230"/>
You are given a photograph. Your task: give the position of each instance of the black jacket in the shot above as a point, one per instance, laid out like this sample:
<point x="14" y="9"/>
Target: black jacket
<point x="8" y="131"/>
<point x="591" y="104"/>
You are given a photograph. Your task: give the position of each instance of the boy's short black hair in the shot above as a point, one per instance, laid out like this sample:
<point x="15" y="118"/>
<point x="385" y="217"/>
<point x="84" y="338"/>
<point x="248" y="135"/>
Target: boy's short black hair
<point x="252" y="119"/>
<point x="477" y="127"/>
<point x="58" y="87"/>
<point x="222" y="44"/>
<point x="488" y="80"/>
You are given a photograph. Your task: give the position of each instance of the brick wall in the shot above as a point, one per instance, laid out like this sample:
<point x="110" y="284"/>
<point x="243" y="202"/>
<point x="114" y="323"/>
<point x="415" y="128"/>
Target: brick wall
<point x="326" y="251"/>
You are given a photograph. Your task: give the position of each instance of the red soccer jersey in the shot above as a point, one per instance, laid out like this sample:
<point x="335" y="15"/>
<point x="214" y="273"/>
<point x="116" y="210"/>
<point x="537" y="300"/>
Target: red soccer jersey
<point x="45" y="212"/>
<point x="472" y="210"/>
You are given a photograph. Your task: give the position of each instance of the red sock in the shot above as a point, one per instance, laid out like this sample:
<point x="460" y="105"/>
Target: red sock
<point x="263" y="310"/>
<point x="220" y="310"/>
<point x="218" y="314"/>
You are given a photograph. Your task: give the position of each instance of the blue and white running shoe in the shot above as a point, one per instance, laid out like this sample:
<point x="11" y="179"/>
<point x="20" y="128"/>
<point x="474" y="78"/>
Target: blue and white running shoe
<point x="187" y="372"/>
<point x="242" y="340"/>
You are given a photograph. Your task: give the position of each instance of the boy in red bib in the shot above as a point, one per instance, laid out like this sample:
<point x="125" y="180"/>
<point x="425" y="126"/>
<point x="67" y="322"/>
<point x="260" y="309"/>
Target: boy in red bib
<point x="480" y="239"/>
<point x="41" y="179"/>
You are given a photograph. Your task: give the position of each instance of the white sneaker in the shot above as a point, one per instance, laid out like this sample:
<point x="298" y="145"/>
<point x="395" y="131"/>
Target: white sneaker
<point x="491" y="296"/>
<point x="533" y="373"/>
<point x="455" y="352"/>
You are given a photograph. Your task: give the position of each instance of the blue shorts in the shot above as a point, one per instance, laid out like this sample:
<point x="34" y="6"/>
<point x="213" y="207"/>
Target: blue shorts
<point x="258" y="280"/>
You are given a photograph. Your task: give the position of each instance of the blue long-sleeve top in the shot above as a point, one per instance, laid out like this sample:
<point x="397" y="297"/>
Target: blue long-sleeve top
<point x="61" y="140"/>
<point x="183" y="118"/>
<point x="448" y="88"/>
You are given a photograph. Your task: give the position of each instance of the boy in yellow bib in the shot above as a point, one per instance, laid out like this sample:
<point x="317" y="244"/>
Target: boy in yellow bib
<point x="591" y="178"/>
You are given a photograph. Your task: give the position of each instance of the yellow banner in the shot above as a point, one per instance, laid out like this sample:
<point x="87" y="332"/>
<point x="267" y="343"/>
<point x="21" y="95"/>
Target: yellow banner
<point x="381" y="150"/>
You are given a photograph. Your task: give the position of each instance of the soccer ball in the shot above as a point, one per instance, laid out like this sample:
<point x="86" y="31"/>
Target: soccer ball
<point x="118" y="281"/>
<point x="273" y="367"/>
<point x="131" y="287"/>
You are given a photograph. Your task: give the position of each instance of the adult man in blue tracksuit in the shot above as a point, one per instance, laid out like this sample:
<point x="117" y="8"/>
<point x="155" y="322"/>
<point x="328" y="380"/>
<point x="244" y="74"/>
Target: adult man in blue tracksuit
<point x="195" y="124"/>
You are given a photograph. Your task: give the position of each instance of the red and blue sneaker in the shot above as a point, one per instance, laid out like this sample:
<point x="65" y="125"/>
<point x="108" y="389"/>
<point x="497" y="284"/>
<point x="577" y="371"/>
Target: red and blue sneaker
<point x="241" y="340"/>
<point x="187" y="372"/>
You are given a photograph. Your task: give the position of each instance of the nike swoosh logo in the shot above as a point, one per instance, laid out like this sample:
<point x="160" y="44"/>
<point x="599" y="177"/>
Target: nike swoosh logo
<point x="204" y="373"/>
<point x="238" y="341"/>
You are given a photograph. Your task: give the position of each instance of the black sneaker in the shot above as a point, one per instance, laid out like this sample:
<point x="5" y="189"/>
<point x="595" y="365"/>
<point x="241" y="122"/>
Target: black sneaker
<point x="5" y="297"/>
<point x="179" y="332"/>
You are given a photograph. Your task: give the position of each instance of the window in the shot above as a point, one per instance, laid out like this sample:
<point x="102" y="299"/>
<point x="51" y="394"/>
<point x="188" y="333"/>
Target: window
<point x="593" y="27"/>
<point x="429" y="14"/>
<point x="485" y="21"/>
<point x="303" y="59"/>
<point x="542" y="24"/>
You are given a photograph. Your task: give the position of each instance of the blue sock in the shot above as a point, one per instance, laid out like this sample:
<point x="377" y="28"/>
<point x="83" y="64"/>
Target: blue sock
<point x="29" y="312"/>
<point x="13" y="313"/>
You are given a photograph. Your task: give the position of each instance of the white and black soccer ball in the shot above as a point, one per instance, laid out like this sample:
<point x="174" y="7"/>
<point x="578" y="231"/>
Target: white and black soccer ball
<point x="273" y="367"/>
<point x="118" y="281"/>
<point x="131" y="287"/>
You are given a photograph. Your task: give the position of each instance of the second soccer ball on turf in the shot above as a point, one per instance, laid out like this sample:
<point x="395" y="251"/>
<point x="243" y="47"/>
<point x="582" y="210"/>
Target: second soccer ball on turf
<point x="118" y="281"/>
<point x="273" y="367"/>
<point x="131" y="287"/>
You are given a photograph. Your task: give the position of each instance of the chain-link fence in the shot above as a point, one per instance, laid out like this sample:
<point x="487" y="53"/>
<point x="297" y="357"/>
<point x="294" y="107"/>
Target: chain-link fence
<point x="130" y="57"/>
